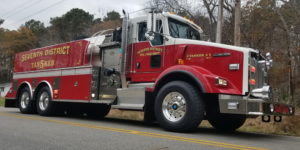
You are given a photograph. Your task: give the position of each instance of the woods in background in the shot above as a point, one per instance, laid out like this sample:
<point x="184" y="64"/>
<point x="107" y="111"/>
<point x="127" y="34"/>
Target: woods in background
<point x="267" y="25"/>
<point x="73" y="25"/>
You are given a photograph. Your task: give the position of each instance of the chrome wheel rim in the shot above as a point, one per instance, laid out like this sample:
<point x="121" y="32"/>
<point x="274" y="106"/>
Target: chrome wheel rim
<point x="174" y="106"/>
<point x="44" y="101"/>
<point x="25" y="100"/>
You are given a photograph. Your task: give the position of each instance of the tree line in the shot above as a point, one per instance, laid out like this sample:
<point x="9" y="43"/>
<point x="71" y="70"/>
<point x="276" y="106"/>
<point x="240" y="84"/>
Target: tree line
<point x="73" y="25"/>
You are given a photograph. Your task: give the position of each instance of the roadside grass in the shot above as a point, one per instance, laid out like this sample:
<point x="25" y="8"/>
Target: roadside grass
<point x="289" y="125"/>
<point x="1" y="102"/>
<point x="126" y="114"/>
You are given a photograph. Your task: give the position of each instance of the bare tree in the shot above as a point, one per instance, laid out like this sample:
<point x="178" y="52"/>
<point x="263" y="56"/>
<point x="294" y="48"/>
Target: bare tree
<point x="290" y="48"/>
<point x="181" y="7"/>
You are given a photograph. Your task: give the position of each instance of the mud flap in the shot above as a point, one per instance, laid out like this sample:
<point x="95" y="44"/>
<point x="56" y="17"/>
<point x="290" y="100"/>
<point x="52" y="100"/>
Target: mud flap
<point x="10" y="103"/>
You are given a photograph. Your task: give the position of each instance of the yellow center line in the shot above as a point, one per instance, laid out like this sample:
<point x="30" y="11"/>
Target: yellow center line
<point x="141" y="133"/>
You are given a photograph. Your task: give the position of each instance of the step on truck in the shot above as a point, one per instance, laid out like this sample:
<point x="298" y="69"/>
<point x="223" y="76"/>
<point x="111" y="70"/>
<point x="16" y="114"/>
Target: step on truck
<point x="157" y="63"/>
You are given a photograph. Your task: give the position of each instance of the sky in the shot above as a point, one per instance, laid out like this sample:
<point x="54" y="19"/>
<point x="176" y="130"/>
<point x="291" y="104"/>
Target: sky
<point x="17" y="12"/>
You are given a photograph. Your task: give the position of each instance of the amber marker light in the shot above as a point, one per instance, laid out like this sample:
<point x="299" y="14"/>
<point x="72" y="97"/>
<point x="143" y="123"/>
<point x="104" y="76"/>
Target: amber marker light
<point x="180" y="61"/>
<point x="252" y="81"/>
<point x="55" y="93"/>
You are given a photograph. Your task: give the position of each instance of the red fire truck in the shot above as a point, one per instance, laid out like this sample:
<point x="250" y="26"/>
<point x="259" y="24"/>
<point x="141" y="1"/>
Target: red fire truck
<point x="158" y="64"/>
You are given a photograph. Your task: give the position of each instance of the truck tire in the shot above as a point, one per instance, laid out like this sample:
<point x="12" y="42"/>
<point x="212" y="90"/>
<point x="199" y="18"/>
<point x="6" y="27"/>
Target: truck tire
<point x="25" y="102"/>
<point x="179" y="107"/>
<point x="223" y="122"/>
<point x="44" y="103"/>
<point x="97" y="110"/>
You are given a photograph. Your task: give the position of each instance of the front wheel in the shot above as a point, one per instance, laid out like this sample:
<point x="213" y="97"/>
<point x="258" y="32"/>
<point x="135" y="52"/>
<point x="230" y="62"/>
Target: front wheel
<point x="179" y="107"/>
<point x="45" y="105"/>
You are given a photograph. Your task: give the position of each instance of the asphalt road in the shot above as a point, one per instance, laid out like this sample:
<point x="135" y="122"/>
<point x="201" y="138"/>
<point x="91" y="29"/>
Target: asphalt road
<point x="33" y="132"/>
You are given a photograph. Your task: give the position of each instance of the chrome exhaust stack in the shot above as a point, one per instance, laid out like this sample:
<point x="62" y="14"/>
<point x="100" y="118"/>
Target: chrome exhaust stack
<point x="124" y="49"/>
<point x="265" y="92"/>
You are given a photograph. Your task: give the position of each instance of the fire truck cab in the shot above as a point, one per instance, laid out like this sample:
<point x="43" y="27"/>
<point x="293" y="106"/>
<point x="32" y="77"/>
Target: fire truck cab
<point x="158" y="64"/>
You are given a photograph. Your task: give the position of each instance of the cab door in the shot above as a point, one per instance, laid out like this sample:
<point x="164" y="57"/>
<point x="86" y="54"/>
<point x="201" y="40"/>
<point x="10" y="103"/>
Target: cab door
<point x="148" y="55"/>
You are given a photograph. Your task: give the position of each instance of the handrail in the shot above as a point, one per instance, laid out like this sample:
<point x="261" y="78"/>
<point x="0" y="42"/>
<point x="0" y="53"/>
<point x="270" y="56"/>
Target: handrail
<point x="101" y="32"/>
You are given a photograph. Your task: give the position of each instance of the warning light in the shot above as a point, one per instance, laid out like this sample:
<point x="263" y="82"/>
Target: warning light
<point x="252" y="81"/>
<point x="252" y="69"/>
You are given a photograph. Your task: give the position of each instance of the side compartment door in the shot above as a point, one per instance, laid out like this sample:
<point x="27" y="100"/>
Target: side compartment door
<point x="75" y="84"/>
<point x="82" y="83"/>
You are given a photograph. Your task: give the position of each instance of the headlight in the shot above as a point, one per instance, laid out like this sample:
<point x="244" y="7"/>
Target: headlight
<point x="220" y="81"/>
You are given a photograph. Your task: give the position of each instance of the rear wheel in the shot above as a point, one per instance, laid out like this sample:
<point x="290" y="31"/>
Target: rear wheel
<point x="26" y="104"/>
<point x="179" y="107"/>
<point x="45" y="105"/>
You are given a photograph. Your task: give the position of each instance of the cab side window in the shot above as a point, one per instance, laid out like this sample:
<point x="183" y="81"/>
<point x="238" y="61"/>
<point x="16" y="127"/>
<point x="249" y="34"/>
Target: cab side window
<point x="142" y="30"/>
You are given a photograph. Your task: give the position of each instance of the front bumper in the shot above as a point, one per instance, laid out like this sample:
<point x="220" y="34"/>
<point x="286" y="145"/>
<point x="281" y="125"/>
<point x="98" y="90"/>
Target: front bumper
<point x="233" y="104"/>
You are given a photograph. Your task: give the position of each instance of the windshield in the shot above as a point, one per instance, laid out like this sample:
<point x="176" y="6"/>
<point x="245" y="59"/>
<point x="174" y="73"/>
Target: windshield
<point x="181" y="30"/>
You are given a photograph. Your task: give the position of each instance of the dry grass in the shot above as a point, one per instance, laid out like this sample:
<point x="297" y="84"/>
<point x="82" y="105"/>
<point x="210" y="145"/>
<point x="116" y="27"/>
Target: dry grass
<point x="130" y="115"/>
<point x="288" y="126"/>
<point x="1" y="102"/>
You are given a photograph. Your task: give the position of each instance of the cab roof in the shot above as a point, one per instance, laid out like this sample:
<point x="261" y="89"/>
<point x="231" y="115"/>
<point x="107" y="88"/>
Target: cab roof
<point x="170" y="15"/>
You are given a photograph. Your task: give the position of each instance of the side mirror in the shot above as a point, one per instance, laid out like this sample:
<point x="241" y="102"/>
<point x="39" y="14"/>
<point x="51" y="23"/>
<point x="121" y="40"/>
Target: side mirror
<point x="150" y="35"/>
<point x="155" y="38"/>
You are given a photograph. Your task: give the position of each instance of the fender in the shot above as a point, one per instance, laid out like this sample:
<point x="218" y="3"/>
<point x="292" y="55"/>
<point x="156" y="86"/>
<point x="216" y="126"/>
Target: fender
<point x="48" y="84"/>
<point x="203" y="78"/>
<point x="29" y="86"/>
<point x="195" y="72"/>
